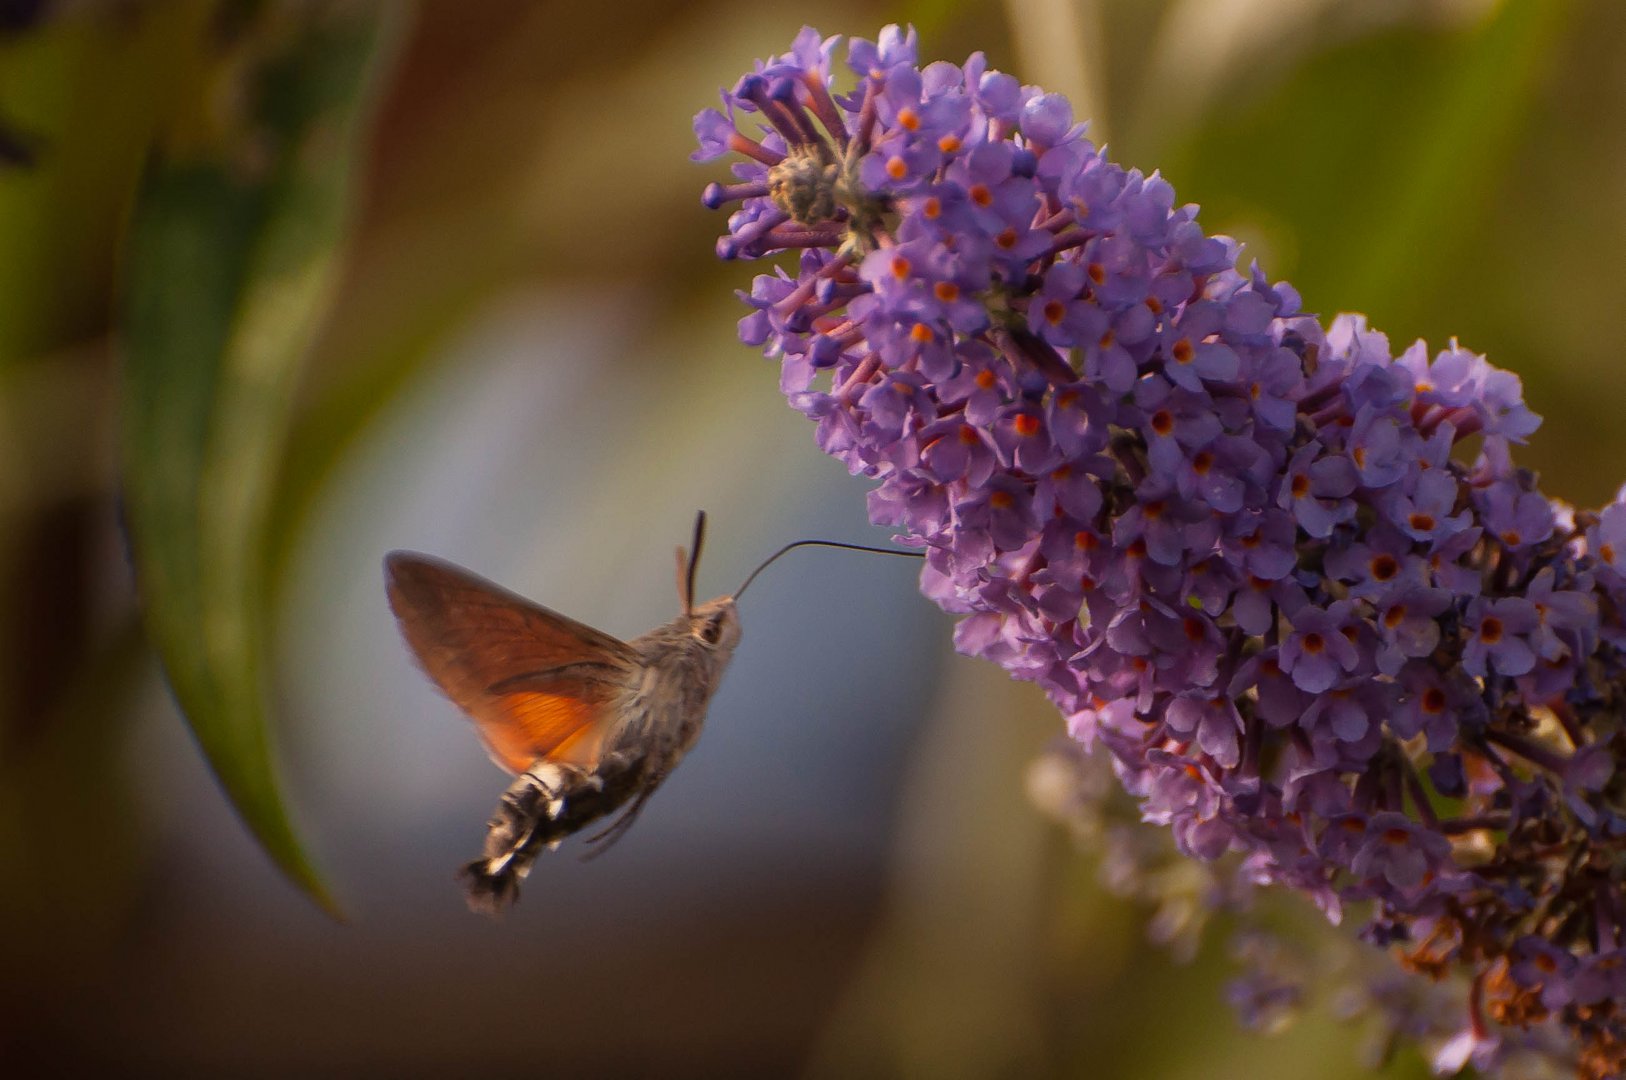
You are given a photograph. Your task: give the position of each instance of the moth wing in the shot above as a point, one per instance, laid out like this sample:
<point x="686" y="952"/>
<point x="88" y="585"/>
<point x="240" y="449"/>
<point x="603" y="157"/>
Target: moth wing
<point x="537" y="684"/>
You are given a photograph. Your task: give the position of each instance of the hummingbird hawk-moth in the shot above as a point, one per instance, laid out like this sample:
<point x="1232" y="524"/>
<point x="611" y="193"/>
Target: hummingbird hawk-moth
<point x="588" y="724"/>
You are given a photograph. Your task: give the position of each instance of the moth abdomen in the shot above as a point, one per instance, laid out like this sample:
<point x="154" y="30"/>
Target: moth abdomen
<point x="543" y="806"/>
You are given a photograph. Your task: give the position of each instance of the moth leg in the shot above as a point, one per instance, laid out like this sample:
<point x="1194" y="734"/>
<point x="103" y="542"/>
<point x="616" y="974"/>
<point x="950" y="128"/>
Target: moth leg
<point x="618" y="828"/>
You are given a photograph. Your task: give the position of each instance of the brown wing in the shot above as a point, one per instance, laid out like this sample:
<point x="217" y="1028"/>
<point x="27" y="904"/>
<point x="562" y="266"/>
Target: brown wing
<point x="536" y="684"/>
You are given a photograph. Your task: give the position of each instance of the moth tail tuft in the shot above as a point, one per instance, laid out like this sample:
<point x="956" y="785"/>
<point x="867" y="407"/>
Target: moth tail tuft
<point x="489" y="893"/>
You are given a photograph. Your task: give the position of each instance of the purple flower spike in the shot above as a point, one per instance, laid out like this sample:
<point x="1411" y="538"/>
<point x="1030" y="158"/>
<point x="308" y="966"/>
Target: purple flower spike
<point x="1233" y="544"/>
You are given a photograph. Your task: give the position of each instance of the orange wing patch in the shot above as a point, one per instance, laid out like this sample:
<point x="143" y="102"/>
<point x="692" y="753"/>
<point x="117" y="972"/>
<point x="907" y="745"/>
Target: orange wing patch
<point x="522" y="727"/>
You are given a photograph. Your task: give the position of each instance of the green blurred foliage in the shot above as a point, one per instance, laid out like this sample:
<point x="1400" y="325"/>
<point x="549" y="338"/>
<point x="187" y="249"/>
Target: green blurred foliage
<point x="230" y="271"/>
<point x="1388" y="143"/>
<point x="87" y="97"/>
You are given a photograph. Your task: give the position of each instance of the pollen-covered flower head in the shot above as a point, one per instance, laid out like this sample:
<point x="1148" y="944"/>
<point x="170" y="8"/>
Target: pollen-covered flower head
<point x="1289" y="579"/>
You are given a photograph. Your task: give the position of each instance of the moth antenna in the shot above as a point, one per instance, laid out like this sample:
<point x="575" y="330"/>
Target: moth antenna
<point x="822" y="543"/>
<point x="682" y="574"/>
<point x="694" y="562"/>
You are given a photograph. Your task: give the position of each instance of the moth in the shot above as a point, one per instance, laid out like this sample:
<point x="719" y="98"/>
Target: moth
<point x="589" y="725"/>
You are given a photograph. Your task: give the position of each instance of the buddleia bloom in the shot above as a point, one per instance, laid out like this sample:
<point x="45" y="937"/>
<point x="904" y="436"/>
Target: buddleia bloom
<point x="1244" y="551"/>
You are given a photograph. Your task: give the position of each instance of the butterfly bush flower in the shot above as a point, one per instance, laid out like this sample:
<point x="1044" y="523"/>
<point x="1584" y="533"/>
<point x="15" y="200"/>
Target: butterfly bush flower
<point x="1288" y="579"/>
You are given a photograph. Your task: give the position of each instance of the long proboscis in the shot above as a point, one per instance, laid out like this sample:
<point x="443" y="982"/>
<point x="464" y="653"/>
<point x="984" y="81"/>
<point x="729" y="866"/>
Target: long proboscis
<point x="822" y="543"/>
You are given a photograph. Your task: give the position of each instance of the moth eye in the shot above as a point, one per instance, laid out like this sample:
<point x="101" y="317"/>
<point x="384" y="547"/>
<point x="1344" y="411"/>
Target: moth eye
<point x="712" y="632"/>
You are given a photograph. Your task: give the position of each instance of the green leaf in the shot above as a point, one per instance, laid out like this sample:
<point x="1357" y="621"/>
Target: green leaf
<point x="231" y="266"/>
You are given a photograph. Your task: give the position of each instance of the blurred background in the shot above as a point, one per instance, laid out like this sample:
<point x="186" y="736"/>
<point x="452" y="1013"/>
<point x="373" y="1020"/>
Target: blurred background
<point x="460" y="297"/>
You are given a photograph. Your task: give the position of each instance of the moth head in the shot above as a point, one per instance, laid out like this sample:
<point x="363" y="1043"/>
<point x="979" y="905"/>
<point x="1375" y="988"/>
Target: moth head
<point x="716" y="625"/>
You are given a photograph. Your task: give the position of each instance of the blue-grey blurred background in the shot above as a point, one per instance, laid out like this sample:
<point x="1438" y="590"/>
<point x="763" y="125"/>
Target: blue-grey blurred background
<point x="526" y="363"/>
